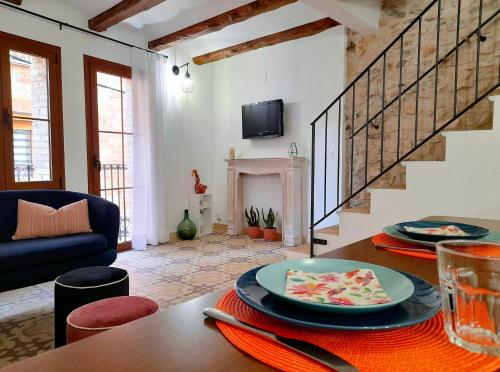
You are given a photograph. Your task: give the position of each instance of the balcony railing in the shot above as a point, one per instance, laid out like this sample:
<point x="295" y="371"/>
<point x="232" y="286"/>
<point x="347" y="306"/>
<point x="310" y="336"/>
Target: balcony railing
<point x="114" y="189"/>
<point x="23" y="172"/>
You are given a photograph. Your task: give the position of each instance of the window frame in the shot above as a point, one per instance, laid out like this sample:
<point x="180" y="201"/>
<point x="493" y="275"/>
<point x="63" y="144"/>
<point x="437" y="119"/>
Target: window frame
<point x="53" y="56"/>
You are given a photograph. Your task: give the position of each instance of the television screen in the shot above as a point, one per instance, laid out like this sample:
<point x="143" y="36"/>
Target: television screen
<point x="263" y="119"/>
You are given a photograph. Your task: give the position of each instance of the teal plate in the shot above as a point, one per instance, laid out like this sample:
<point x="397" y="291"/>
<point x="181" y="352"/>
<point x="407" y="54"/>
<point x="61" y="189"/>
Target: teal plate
<point x="395" y="284"/>
<point x="492" y="237"/>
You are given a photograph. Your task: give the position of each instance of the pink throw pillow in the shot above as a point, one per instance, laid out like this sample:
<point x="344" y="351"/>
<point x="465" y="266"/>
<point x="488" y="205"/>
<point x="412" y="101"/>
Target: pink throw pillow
<point x="38" y="221"/>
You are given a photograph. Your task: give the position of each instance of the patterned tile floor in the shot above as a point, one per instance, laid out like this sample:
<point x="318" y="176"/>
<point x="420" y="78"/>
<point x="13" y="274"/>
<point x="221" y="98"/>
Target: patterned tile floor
<point x="169" y="274"/>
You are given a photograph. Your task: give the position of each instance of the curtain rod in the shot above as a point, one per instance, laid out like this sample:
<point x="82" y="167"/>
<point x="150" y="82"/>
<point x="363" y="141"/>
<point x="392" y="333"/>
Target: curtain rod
<point x="70" y="26"/>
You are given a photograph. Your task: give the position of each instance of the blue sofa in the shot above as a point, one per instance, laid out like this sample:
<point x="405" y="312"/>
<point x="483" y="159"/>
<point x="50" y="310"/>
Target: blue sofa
<point x="32" y="261"/>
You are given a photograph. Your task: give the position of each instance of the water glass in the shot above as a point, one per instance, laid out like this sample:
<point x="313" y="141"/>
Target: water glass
<point x="469" y="276"/>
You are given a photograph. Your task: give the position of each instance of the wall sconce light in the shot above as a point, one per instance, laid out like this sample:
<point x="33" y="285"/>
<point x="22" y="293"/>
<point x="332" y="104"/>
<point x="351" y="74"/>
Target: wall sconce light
<point x="187" y="85"/>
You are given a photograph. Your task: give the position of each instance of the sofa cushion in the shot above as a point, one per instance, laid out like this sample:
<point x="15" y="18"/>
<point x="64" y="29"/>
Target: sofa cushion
<point x="24" y="253"/>
<point x="35" y="220"/>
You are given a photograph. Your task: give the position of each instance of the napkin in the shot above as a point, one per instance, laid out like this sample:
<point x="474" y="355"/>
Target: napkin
<point x="448" y="230"/>
<point x="356" y="288"/>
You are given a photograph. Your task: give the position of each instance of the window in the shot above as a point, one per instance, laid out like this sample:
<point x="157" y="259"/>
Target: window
<point x="30" y="95"/>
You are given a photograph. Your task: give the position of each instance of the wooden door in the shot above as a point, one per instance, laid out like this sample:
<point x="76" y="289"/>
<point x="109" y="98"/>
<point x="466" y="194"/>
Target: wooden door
<point x="108" y="89"/>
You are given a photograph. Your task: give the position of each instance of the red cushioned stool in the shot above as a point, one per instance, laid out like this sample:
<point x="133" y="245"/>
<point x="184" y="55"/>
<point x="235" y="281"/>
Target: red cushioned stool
<point x="102" y="315"/>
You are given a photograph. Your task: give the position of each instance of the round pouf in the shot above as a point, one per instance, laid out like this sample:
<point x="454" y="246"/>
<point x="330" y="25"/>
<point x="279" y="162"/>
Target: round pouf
<point x="82" y="286"/>
<point x="102" y="315"/>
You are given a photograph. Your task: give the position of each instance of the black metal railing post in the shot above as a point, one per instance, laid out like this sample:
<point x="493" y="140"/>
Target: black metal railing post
<point x="383" y="114"/>
<point x="325" y="162"/>
<point x="399" y="96"/>
<point x="367" y="127"/>
<point x="478" y="45"/>
<point x="313" y="159"/>
<point x="338" y="151"/>
<point x="352" y="136"/>
<point x="417" y="89"/>
<point x="457" y="39"/>
<point x="436" y="72"/>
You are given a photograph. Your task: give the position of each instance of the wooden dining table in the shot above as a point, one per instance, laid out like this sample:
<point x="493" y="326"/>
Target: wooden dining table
<point x="182" y="339"/>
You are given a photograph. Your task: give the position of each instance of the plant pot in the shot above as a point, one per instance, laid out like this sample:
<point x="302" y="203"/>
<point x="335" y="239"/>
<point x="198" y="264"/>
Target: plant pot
<point x="270" y="234"/>
<point x="254" y="232"/>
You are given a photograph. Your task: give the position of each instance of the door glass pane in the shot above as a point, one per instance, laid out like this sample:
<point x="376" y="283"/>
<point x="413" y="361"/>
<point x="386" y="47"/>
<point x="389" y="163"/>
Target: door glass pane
<point x="30" y="118"/>
<point x="109" y="96"/>
<point x="111" y="156"/>
<point x="128" y="157"/>
<point x="29" y="85"/>
<point x="127" y="106"/>
<point x="114" y="107"/>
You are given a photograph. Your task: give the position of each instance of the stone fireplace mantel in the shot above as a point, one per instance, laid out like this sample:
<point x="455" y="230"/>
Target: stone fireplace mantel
<point x="290" y="173"/>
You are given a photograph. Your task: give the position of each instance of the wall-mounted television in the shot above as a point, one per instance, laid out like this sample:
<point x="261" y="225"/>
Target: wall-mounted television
<point x="263" y="119"/>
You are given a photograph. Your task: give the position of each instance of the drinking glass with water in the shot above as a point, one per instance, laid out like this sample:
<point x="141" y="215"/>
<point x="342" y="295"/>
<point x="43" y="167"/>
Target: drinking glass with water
<point x="469" y="276"/>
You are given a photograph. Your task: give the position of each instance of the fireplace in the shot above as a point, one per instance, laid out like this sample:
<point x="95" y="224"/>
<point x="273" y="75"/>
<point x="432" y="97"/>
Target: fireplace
<point x="290" y="173"/>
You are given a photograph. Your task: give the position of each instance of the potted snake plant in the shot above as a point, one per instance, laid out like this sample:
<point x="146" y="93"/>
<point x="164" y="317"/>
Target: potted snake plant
<point x="270" y="232"/>
<point x="253" y="220"/>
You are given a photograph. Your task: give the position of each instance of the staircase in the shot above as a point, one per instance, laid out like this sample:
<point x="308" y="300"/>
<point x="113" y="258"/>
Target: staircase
<point x="384" y="123"/>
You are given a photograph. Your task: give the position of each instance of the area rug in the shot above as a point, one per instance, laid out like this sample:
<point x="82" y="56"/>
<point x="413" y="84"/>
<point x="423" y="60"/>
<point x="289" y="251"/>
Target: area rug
<point x="170" y="274"/>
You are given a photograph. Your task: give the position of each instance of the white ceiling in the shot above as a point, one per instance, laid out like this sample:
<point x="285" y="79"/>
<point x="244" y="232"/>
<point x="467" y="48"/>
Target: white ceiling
<point x="174" y="15"/>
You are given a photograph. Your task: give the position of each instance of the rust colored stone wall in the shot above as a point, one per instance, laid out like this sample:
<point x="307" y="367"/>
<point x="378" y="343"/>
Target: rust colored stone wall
<point x="363" y="49"/>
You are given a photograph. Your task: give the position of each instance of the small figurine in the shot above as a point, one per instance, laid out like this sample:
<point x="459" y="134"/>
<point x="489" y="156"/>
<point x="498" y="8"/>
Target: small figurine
<point x="199" y="188"/>
<point x="231" y="153"/>
<point x="292" y="151"/>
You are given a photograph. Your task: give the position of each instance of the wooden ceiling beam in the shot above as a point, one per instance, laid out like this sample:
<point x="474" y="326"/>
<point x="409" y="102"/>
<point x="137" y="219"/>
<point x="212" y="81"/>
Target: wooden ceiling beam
<point x="217" y="23"/>
<point x="120" y="12"/>
<point x="15" y="2"/>
<point x="299" y="32"/>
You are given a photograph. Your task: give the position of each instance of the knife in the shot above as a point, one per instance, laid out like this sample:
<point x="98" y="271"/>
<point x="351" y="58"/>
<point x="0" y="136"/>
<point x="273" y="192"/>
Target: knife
<point x="302" y="347"/>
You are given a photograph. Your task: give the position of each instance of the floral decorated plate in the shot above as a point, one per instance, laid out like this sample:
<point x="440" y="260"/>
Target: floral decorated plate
<point x="334" y="285"/>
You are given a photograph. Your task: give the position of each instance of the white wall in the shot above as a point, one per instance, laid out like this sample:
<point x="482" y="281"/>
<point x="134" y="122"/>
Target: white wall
<point x="189" y="138"/>
<point x="73" y="45"/>
<point x="307" y="74"/>
<point x="189" y="141"/>
<point x="264" y="192"/>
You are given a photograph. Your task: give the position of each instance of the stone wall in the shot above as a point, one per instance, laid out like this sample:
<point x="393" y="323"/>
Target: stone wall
<point x="363" y="49"/>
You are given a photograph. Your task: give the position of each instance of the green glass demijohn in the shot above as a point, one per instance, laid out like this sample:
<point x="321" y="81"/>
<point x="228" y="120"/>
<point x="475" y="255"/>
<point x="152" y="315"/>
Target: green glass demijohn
<point x="186" y="229"/>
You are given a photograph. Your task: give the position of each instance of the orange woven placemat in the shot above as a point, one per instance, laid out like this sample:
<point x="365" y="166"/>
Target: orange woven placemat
<point x="385" y="242"/>
<point x="423" y="347"/>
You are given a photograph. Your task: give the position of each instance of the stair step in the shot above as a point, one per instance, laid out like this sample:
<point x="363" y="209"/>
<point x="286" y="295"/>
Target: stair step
<point x="331" y="230"/>
<point x="362" y="209"/>
<point x="388" y="187"/>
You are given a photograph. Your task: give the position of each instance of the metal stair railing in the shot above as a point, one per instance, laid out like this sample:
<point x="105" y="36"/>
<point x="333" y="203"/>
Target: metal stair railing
<point x="349" y="97"/>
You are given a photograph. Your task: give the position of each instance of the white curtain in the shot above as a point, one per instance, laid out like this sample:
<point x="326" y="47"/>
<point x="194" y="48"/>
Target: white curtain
<point x="149" y="82"/>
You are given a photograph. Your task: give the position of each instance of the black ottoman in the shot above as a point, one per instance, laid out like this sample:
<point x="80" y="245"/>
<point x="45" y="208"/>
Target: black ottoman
<point x="82" y="286"/>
